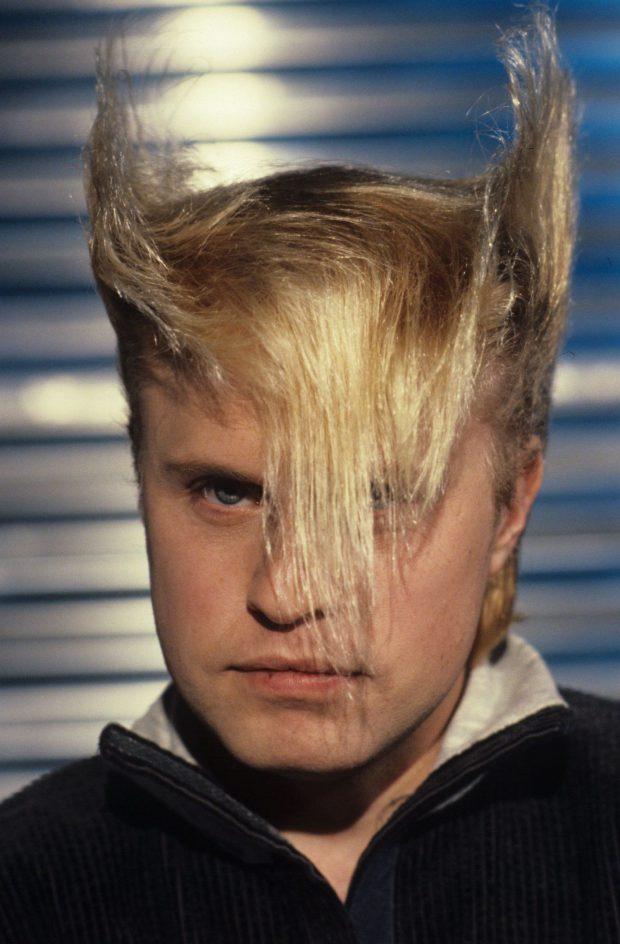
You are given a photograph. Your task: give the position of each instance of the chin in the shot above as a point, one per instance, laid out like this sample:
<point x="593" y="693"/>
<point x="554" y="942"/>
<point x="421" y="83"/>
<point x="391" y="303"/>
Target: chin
<point x="302" y="750"/>
<point x="298" y="766"/>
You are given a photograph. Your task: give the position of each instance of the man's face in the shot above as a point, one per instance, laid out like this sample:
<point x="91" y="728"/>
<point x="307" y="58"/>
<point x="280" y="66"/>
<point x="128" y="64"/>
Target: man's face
<point x="221" y="624"/>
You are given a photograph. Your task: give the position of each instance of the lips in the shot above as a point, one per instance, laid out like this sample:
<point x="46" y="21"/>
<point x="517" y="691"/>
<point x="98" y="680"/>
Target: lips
<point x="303" y="666"/>
<point x="294" y="682"/>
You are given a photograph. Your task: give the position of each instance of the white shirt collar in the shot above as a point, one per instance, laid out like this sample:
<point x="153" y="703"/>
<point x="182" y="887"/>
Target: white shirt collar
<point x="499" y="695"/>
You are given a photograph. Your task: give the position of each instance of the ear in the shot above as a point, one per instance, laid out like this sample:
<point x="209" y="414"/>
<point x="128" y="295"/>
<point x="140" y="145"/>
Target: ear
<point x="513" y="517"/>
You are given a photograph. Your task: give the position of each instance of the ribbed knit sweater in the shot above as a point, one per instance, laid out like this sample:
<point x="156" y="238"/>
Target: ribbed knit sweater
<point x="513" y="841"/>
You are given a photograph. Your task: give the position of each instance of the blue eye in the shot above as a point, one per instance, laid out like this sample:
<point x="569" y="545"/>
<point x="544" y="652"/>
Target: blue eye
<point x="228" y="492"/>
<point x="226" y="497"/>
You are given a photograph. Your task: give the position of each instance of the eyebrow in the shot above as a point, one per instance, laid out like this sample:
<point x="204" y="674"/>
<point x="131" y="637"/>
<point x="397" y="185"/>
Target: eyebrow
<point x="198" y="469"/>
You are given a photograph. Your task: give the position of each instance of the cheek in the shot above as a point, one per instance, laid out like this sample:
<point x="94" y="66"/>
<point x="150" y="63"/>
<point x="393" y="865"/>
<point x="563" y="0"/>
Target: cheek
<point x="431" y="605"/>
<point x="197" y="584"/>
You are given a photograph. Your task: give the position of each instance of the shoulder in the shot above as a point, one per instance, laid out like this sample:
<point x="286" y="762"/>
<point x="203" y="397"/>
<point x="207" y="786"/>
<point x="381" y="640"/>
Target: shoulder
<point x="593" y="737"/>
<point x="595" y="721"/>
<point x="43" y="819"/>
<point x="44" y="830"/>
<point x="70" y="793"/>
<point x="592" y="706"/>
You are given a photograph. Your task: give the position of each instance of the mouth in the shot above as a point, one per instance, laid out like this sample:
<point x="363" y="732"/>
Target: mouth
<point x="302" y="667"/>
<point x="295" y="679"/>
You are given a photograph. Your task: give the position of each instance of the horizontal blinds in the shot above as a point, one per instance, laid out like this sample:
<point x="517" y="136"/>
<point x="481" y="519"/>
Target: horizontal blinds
<point x="409" y="86"/>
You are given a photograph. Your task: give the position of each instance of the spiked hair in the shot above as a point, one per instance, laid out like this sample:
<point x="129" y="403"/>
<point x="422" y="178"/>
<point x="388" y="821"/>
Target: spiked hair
<point x="362" y="315"/>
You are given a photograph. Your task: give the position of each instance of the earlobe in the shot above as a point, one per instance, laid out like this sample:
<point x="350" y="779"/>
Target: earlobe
<point x="513" y="517"/>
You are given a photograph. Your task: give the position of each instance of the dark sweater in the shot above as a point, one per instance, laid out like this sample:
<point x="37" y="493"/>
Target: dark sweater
<point x="515" y="841"/>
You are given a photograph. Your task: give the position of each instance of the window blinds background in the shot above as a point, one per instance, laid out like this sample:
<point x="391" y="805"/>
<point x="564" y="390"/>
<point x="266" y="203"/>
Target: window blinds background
<point x="409" y="86"/>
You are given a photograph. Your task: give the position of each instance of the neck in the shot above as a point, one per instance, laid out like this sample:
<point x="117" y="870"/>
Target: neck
<point x="331" y="818"/>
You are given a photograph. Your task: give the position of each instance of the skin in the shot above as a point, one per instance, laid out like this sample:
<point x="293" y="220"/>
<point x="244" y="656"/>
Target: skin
<point x="328" y="778"/>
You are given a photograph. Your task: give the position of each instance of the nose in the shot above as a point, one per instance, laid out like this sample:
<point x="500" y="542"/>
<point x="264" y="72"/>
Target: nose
<point x="272" y="601"/>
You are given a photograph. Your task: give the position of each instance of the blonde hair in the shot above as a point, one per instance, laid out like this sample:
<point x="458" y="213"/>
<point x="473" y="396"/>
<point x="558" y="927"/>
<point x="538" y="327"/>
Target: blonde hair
<point x="362" y="315"/>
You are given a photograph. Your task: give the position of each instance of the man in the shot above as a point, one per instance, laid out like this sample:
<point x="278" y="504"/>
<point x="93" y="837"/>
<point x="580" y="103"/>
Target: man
<point x="338" y="383"/>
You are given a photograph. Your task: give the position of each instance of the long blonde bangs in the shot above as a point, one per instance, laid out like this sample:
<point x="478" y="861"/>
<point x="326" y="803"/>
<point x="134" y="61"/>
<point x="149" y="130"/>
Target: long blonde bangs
<point x="363" y="315"/>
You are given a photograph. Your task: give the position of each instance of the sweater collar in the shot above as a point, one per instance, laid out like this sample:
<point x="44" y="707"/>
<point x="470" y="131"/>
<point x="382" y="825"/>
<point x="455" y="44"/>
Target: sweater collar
<point x="506" y="706"/>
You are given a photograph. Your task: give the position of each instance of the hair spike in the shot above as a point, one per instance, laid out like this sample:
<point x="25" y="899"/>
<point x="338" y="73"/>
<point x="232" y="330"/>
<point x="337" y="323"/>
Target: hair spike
<point x="364" y="316"/>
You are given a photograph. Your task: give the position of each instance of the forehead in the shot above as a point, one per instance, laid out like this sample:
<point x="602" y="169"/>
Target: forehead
<point x="179" y="423"/>
<point x="177" y="419"/>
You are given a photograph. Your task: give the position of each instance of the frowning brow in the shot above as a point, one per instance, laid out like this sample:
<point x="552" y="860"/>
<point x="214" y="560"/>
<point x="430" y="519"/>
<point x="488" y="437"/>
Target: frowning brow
<point x="196" y="468"/>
